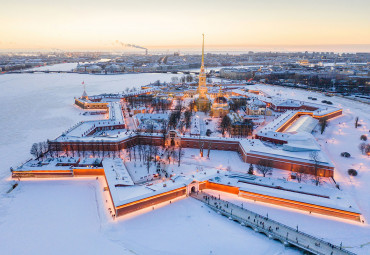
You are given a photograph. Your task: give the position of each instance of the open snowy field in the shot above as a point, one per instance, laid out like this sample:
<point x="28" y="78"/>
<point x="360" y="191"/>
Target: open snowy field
<point x="70" y="219"/>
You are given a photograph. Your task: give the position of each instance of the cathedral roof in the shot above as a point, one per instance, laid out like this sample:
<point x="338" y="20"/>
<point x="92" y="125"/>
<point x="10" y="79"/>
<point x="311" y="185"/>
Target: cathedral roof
<point x="220" y="100"/>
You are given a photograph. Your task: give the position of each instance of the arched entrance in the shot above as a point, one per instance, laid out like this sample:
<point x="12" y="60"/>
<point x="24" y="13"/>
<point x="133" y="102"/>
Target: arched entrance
<point x="193" y="187"/>
<point x="173" y="138"/>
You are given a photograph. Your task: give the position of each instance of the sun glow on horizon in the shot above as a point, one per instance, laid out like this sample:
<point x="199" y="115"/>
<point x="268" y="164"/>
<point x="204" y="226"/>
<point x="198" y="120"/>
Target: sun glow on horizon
<point x="93" y="25"/>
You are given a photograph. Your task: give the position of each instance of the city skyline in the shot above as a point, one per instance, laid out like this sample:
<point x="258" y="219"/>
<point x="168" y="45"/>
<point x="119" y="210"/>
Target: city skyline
<point x="240" y="25"/>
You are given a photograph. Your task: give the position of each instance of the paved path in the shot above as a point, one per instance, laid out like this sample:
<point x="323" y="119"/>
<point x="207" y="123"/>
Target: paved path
<point x="129" y="121"/>
<point x="271" y="228"/>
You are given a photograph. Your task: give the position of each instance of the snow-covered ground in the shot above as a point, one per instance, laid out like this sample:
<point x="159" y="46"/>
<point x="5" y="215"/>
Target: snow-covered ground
<point x="71" y="216"/>
<point x="55" y="217"/>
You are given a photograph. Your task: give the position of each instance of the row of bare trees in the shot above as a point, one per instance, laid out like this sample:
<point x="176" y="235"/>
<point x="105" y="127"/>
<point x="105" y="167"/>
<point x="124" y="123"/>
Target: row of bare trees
<point x="40" y="149"/>
<point x="265" y="167"/>
<point x="98" y="149"/>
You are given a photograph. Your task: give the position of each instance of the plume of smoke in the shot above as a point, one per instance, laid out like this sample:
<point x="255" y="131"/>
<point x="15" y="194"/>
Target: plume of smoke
<point x="130" y="45"/>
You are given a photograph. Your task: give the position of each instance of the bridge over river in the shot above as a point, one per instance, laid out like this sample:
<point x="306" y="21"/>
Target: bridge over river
<point x="272" y="229"/>
<point x="54" y="71"/>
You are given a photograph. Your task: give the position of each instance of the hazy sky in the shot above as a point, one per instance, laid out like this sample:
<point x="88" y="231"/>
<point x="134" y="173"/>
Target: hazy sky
<point x="91" y="24"/>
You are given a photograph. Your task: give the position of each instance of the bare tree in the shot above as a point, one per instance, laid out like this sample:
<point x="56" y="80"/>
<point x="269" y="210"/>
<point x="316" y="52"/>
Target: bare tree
<point x="201" y="147"/>
<point x="45" y="147"/>
<point x="57" y="149"/>
<point x="34" y="150"/>
<point x="148" y="160"/>
<point x="78" y="148"/>
<point x="251" y="170"/>
<point x="300" y="173"/>
<point x="362" y="147"/>
<point x="72" y="149"/>
<point x="102" y="148"/>
<point x="93" y="149"/>
<point x="264" y="166"/>
<point x="140" y="149"/>
<point x="40" y="146"/>
<point x="50" y="148"/>
<point x="164" y="131"/>
<point x="209" y="149"/>
<point x="187" y="117"/>
<point x="84" y="149"/>
<point x="314" y="155"/>
<point x="155" y="153"/>
<point x="225" y="124"/>
<point x="129" y="152"/>
<point x="134" y="148"/>
<point x="323" y="125"/>
<point x="180" y="154"/>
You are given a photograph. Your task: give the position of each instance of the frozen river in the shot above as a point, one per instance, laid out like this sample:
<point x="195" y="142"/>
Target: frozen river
<point x="36" y="107"/>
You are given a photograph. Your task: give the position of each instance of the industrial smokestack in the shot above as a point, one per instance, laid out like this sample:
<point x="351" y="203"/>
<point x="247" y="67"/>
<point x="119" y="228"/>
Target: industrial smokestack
<point x="132" y="46"/>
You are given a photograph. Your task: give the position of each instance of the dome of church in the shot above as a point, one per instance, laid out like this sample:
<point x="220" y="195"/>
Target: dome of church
<point x="220" y="100"/>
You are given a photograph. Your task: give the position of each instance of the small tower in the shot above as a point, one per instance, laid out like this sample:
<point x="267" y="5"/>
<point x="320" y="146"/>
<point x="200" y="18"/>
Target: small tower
<point x="84" y="94"/>
<point x="220" y="92"/>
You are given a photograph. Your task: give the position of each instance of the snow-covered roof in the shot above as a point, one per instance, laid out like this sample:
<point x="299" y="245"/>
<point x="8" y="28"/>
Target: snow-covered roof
<point x="124" y="195"/>
<point x="328" y="197"/>
<point x="302" y="141"/>
<point x="304" y="123"/>
<point x="116" y="173"/>
<point x="286" y="103"/>
<point x="255" y="146"/>
<point x="60" y="163"/>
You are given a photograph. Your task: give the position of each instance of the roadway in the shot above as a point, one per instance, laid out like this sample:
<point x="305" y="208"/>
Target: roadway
<point x="129" y="121"/>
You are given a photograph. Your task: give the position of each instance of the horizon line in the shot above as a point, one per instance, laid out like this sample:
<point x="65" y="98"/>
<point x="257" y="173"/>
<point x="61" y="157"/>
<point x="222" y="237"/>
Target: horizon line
<point x="213" y="47"/>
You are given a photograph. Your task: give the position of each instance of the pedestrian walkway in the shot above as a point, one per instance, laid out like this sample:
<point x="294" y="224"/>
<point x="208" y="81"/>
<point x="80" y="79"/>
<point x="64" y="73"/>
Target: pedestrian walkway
<point x="273" y="229"/>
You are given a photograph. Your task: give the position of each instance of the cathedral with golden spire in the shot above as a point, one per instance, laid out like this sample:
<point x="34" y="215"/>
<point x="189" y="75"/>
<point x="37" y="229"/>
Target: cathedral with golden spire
<point x="202" y="103"/>
<point x="220" y="106"/>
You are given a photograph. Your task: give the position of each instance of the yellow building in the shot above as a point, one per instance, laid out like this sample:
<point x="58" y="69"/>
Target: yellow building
<point x="220" y="106"/>
<point x="85" y="103"/>
<point x="257" y="107"/>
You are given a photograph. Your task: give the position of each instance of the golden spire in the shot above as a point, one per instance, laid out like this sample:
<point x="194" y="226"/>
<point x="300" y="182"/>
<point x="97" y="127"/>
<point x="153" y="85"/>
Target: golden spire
<point x="202" y="88"/>
<point x="203" y="53"/>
